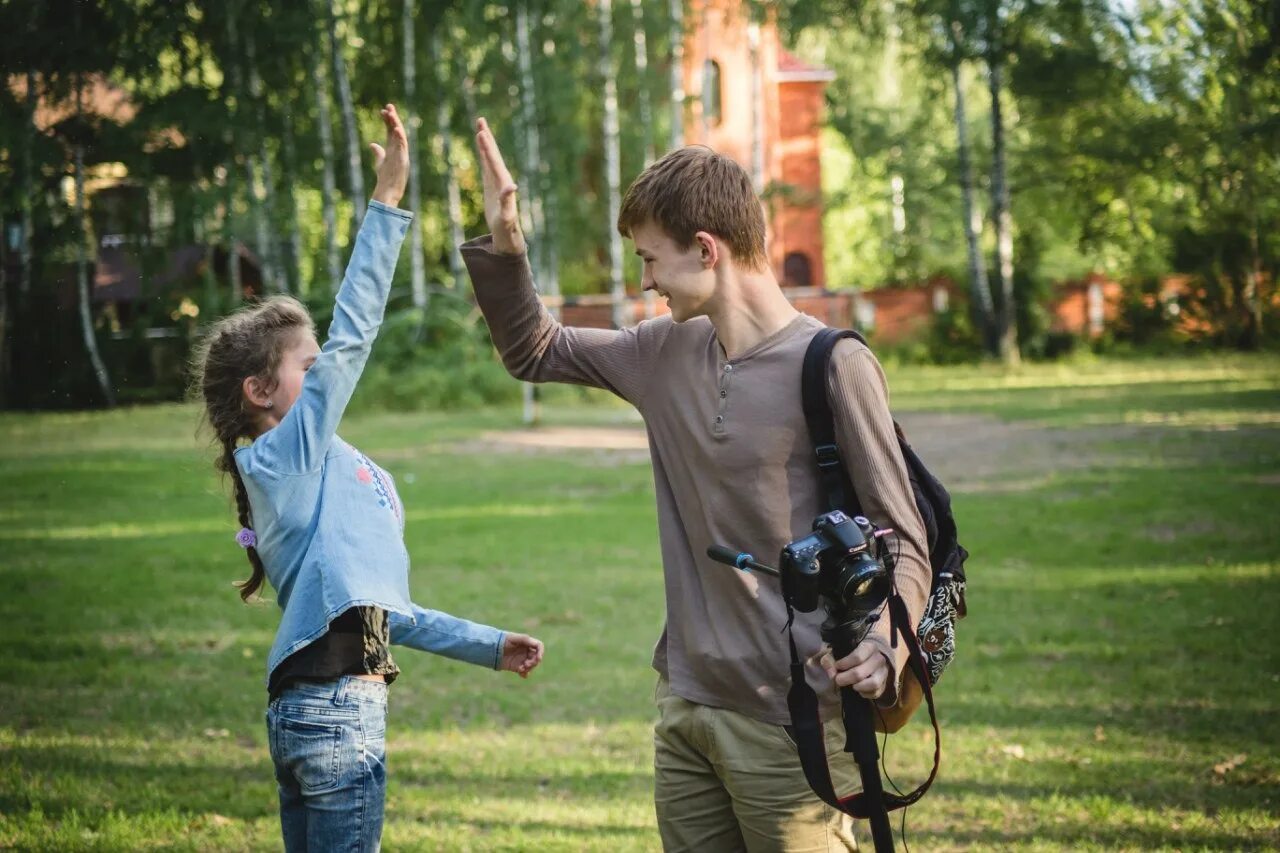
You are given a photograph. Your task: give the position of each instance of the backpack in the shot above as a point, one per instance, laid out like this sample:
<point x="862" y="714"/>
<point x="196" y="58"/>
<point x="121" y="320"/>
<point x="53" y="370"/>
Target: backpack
<point x="936" y="633"/>
<point x="931" y="646"/>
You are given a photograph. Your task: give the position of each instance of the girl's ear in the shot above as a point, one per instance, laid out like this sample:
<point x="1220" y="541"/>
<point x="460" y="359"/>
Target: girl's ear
<point x="255" y="392"/>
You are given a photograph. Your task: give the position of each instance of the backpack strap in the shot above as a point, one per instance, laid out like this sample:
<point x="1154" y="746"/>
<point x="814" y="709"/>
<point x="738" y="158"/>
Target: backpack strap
<point x="838" y="493"/>
<point x="836" y="487"/>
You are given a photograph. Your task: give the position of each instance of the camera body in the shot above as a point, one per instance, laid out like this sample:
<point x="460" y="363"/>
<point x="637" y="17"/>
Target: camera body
<point x="842" y="565"/>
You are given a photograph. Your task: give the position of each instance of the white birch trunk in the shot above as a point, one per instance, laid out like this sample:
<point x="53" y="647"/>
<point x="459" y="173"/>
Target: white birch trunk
<point x="641" y="40"/>
<point x="229" y="217"/>
<point x="264" y="191"/>
<point x="613" y="165"/>
<point x="289" y="170"/>
<point x="417" y="269"/>
<point x="28" y="188"/>
<point x="1003" y="219"/>
<point x="757" y="111"/>
<point x="453" y="193"/>
<point x="82" y="266"/>
<point x="979" y="289"/>
<point x="343" y="83"/>
<point x="329" y="183"/>
<point x="677" y="74"/>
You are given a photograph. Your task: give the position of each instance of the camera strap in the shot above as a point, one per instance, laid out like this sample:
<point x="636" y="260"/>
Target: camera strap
<point x="806" y="724"/>
<point x="838" y="492"/>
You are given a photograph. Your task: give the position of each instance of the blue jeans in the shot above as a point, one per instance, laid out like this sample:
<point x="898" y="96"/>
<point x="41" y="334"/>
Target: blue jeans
<point x="328" y="744"/>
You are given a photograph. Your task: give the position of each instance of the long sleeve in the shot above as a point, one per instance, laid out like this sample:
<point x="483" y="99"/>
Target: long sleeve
<point x="299" y="443"/>
<point x="448" y="636"/>
<point x="536" y="348"/>
<point x="869" y="447"/>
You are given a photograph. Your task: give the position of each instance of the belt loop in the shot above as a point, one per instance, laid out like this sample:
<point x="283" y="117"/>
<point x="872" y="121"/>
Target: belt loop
<point x="340" y="694"/>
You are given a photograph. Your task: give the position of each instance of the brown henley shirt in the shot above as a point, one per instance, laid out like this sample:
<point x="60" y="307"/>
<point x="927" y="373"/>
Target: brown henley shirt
<point x="732" y="464"/>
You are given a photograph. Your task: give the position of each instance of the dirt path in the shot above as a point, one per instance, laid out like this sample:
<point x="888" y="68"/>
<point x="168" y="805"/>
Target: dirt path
<point x="969" y="452"/>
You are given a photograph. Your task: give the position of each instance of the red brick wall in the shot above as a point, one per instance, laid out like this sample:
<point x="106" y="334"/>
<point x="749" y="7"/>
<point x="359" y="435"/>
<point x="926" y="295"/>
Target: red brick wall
<point x="790" y="120"/>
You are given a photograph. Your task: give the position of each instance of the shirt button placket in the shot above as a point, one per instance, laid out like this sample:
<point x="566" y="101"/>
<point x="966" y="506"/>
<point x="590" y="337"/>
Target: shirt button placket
<point x="725" y="376"/>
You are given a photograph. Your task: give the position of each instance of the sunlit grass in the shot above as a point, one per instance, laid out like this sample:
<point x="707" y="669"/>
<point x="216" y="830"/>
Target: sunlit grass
<point x="1116" y="688"/>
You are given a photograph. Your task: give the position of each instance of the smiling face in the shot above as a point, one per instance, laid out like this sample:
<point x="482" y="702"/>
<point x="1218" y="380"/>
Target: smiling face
<point x="684" y="277"/>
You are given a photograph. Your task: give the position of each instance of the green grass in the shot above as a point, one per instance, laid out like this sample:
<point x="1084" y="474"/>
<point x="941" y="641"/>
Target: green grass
<point x="1121" y="641"/>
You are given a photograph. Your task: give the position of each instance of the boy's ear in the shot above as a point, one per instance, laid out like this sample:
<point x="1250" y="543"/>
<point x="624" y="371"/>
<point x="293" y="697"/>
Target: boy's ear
<point x="708" y="248"/>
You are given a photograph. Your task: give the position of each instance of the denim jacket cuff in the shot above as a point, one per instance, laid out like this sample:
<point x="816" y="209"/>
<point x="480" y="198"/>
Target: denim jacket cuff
<point x="389" y="210"/>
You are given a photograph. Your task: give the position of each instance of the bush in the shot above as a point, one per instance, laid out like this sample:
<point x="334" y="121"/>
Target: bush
<point x="442" y="359"/>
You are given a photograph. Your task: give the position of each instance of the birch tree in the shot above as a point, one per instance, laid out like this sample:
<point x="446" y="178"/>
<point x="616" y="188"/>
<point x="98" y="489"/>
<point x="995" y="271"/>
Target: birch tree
<point x="341" y="80"/>
<point x="82" y="253"/>
<point x="417" y="271"/>
<point x="612" y="163"/>
<point x="328" y="179"/>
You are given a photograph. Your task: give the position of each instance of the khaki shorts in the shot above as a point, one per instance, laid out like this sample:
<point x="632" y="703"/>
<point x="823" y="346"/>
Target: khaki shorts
<point x="726" y="782"/>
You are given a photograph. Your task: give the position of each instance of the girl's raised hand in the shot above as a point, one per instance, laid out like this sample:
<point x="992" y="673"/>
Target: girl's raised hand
<point x="499" y="194"/>
<point x="391" y="163"/>
<point x="520" y="654"/>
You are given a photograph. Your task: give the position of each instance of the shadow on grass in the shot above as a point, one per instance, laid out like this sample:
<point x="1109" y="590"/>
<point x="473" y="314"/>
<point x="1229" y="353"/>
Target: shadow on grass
<point x="1072" y="835"/>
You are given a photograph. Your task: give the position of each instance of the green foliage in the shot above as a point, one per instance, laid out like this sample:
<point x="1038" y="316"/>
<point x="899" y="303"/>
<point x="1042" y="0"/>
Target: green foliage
<point x="446" y="362"/>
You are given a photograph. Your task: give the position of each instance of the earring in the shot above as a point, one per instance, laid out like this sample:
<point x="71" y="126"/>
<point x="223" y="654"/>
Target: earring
<point x="269" y="404"/>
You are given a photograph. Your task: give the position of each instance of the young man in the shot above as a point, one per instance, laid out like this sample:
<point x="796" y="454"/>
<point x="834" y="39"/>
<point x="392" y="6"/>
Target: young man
<point x="718" y="384"/>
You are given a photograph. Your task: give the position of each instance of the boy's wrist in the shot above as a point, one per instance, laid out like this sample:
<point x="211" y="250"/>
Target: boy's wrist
<point x="387" y="197"/>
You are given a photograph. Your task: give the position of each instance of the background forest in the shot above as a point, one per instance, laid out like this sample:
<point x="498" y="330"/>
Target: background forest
<point x="1005" y="144"/>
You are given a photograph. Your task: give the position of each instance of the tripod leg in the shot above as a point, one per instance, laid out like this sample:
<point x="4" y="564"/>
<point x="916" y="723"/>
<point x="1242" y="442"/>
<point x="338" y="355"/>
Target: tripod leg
<point x="860" y="741"/>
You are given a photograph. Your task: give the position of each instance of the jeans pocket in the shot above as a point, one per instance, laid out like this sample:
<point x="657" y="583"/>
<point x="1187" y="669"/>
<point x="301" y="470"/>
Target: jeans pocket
<point x="311" y="751"/>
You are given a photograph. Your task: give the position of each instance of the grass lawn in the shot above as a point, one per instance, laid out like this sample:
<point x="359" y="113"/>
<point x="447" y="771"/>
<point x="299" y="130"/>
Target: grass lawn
<point x="1118" y="685"/>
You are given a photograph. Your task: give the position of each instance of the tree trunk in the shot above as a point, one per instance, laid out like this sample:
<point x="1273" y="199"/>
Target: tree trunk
<point x="229" y="215"/>
<point x="82" y="263"/>
<point x="453" y="194"/>
<point x="1003" y="218"/>
<point x="343" y="83"/>
<point x="532" y="156"/>
<point x="263" y="192"/>
<point x="417" y="269"/>
<point x="289" y="171"/>
<point x="757" y="111"/>
<point x="642" y="79"/>
<point x="28" y="189"/>
<point x="613" y="166"/>
<point x="677" y="74"/>
<point x="329" y="183"/>
<point x="979" y="289"/>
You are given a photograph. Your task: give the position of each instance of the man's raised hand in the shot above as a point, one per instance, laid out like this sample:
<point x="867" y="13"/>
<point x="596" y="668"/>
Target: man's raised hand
<point x="391" y="163"/>
<point x="499" y="194"/>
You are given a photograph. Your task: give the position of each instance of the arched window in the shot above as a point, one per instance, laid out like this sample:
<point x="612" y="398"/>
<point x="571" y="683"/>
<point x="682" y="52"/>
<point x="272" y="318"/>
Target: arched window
<point x="712" y="100"/>
<point x="796" y="270"/>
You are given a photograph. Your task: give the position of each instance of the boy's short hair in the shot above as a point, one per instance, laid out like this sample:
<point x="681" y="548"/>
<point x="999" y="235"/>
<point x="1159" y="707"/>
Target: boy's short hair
<point x="695" y="189"/>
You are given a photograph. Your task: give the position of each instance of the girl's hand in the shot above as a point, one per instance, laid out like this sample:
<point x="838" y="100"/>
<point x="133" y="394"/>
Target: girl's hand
<point x="391" y="163"/>
<point x="520" y="654"/>
<point x="499" y="194"/>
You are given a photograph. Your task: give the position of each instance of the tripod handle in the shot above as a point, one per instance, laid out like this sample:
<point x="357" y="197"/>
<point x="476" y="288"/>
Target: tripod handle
<point x="739" y="560"/>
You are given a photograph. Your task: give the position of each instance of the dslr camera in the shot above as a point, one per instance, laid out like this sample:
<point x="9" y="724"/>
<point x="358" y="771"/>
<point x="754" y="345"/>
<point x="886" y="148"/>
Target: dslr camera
<point x="843" y="565"/>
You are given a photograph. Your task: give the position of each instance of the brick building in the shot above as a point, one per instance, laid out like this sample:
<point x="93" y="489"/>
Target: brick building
<point x="754" y="102"/>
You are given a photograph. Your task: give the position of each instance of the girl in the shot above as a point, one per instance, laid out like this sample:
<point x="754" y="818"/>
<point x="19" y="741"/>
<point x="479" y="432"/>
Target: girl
<point x="324" y="525"/>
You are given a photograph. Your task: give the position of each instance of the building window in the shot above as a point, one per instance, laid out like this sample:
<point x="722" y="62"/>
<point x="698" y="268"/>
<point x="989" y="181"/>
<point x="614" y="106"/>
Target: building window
<point x="796" y="270"/>
<point x="712" y="100"/>
<point x="941" y="299"/>
<point x="864" y="311"/>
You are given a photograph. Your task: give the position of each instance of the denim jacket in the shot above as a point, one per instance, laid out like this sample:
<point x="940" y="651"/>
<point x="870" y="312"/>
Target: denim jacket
<point x="329" y="522"/>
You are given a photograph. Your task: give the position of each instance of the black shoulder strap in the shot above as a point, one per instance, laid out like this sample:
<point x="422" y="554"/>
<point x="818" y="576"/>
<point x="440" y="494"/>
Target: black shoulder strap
<point x="837" y="490"/>
<point x="839" y="494"/>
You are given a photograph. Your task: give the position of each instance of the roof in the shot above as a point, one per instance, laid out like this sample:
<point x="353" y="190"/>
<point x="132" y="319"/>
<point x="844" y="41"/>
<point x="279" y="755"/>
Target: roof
<point x="792" y="69"/>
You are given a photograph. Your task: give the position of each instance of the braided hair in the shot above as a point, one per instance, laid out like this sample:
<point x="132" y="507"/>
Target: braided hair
<point x="248" y="342"/>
